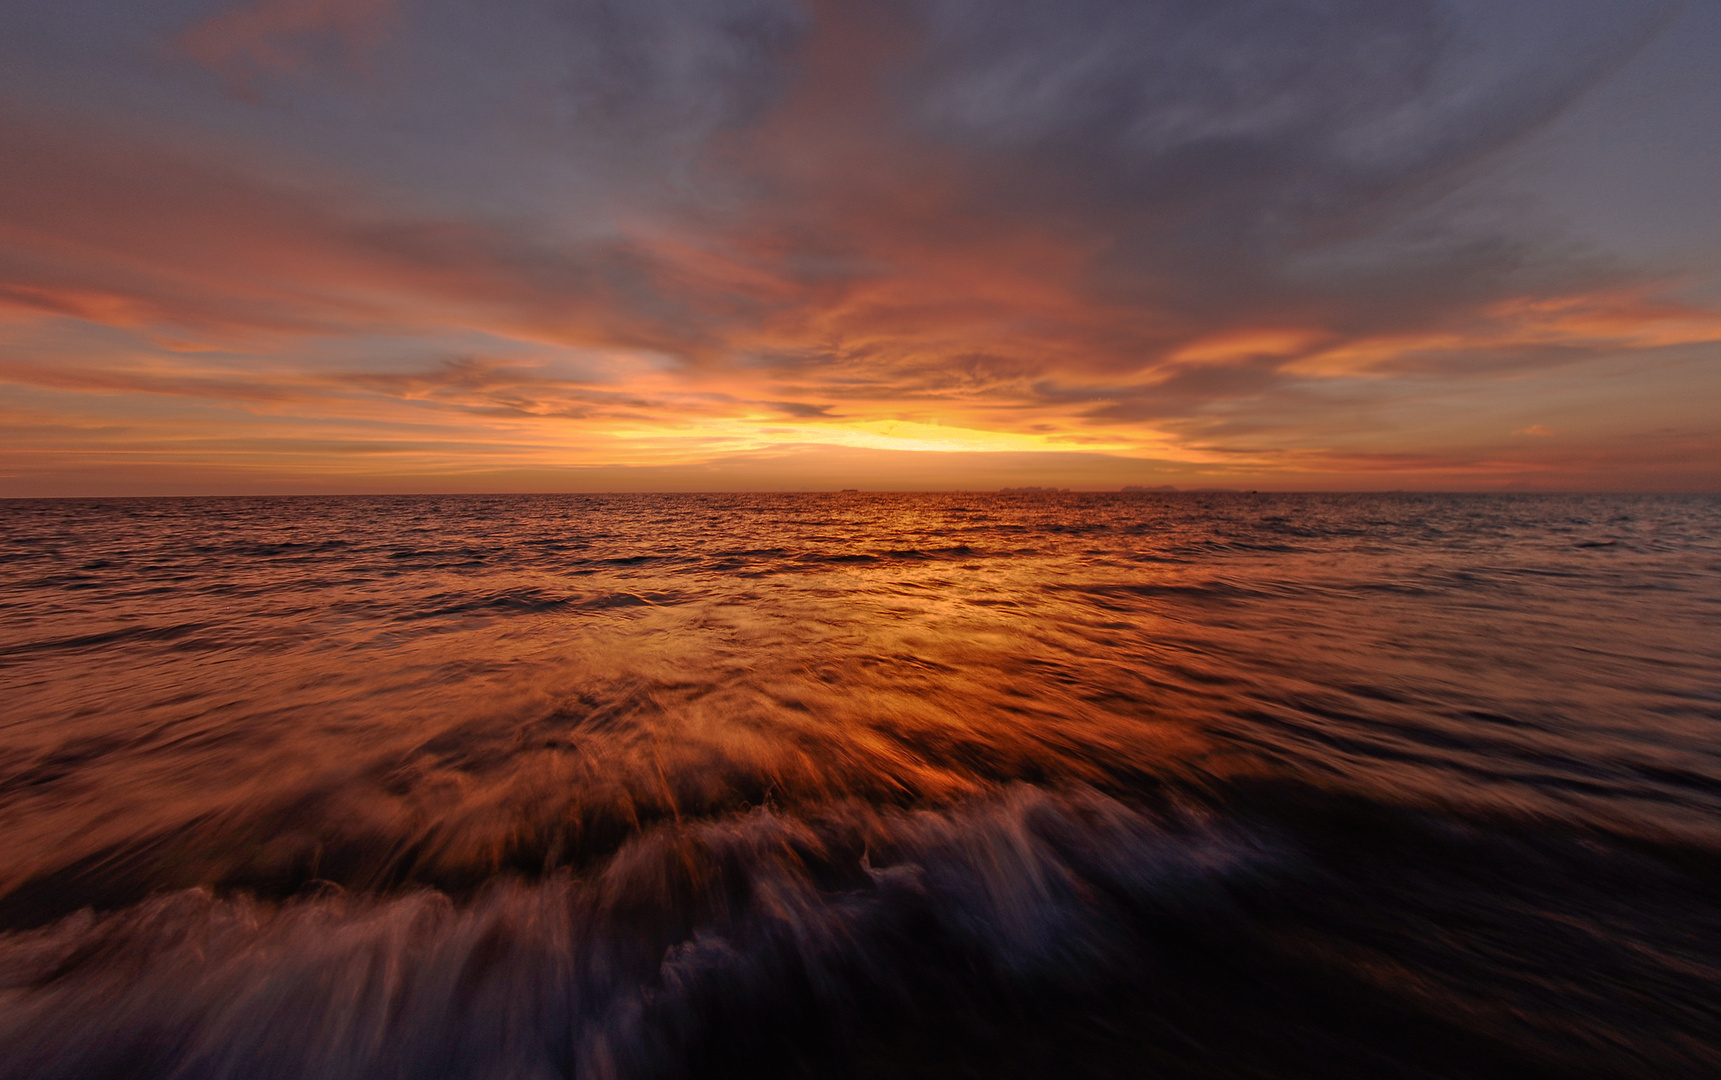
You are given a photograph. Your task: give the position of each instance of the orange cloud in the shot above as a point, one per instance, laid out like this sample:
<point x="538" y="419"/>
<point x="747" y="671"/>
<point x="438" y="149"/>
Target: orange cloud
<point x="1633" y="318"/>
<point x="1248" y="344"/>
<point x="1588" y="321"/>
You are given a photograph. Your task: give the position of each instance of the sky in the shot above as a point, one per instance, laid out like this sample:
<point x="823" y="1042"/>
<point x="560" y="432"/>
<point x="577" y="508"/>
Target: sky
<point x="260" y="246"/>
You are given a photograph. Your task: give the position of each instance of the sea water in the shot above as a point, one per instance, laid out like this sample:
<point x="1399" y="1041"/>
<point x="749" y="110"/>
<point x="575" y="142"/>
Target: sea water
<point x="1029" y="784"/>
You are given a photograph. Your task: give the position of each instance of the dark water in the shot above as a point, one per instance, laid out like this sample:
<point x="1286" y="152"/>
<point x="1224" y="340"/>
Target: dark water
<point x="853" y="785"/>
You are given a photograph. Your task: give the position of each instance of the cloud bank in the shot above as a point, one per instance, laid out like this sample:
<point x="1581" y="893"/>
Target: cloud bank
<point x="416" y="243"/>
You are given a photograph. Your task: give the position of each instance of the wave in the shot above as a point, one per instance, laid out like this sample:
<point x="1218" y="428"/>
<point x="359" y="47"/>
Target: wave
<point x="1026" y="933"/>
<point x="731" y="933"/>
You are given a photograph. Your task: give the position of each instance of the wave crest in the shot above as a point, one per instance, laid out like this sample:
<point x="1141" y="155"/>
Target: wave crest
<point x="725" y="933"/>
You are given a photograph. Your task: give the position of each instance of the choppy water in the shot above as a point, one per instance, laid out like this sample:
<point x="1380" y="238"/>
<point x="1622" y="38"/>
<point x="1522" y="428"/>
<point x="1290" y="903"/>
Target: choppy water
<point x="823" y="785"/>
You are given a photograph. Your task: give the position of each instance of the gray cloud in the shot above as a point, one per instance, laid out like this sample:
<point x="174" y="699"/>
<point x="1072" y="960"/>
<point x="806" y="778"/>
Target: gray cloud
<point x="592" y="102"/>
<point x="1250" y="114"/>
<point x="802" y="410"/>
<point x="680" y="64"/>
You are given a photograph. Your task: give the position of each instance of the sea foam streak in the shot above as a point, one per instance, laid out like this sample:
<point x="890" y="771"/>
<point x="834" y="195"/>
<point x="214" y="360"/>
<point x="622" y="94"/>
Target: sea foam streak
<point x="731" y="923"/>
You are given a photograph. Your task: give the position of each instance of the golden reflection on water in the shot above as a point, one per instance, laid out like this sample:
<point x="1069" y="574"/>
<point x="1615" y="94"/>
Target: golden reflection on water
<point x="432" y="690"/>
<point x="452" y="749"/>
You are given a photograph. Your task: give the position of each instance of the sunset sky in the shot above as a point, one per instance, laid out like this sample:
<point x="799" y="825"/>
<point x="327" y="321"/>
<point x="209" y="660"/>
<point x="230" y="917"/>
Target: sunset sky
<point x="571" y="245"/>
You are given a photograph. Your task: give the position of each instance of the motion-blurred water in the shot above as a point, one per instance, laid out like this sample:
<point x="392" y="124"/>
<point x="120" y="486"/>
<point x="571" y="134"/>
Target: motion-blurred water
<point x="883" y="785"/>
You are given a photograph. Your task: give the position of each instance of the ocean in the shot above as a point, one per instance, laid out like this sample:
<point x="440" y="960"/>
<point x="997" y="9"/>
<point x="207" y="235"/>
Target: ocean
<point x="883" y="785"/>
